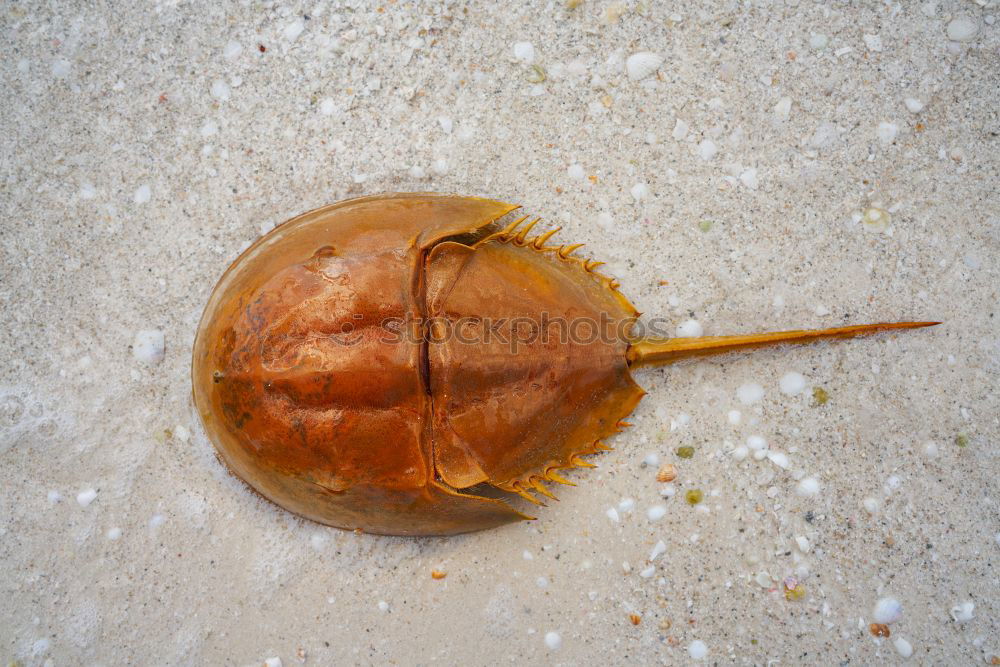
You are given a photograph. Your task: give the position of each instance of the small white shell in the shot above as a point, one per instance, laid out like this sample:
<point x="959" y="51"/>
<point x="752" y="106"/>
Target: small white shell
<point x="642" y="64"/>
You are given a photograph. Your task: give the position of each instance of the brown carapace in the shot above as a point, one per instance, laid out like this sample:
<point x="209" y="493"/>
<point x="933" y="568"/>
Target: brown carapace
<point x="399" y="364"/>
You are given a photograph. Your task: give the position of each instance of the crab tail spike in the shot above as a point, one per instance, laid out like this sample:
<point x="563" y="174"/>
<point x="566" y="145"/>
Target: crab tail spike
<point x="553" y="476"/>
<point x="522" y="235"/>
<point x="540" y="240"/>
<point x="592" y="264"/>
<point x="601" y="447"/>
<point x="567" y="250"/>
<point x="660" y="351"/>
<point x="523" y="492"/>
<point x="580" y="463"/>
<point x="537" y="485"/>
<point x="509" y="229"/>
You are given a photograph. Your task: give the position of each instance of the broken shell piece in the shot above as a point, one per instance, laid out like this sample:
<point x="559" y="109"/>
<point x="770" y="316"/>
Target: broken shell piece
<point x="668" y="473"/>
<point x="642" y="64"/>
<point x="876" y="219"/>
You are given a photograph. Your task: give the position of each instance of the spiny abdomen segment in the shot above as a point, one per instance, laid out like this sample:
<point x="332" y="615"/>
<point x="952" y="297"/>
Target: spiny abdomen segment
<point x="518" y="232"/>
<point x="515" y="409"/>
<point x="532" y="483"/>
<point x="660" y="351"/>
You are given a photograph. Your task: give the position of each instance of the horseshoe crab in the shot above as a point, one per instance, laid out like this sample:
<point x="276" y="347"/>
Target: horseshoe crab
<point x="400" y="364"/>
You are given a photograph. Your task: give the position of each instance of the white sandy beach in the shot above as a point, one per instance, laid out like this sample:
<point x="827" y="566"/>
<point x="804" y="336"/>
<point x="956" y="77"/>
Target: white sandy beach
<point x="772" y="165"/>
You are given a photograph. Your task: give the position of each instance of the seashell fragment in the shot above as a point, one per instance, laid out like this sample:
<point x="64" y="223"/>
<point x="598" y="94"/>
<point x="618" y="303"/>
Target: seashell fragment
<point x="642" y="64"/>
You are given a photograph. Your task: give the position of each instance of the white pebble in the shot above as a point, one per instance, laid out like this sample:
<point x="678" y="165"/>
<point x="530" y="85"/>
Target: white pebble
<point x="526" y="555"/>
<point x="894" y="482"/>
<point x="383" y="606"/>
<point x="272" y="662"/>
<point x="759" y="455"/>
<point x="697" y="649"/>
<point x="680" y="130"/>
<point x="157" y="520"/>
<point x="756" y="442"/>
<point x="792" y="383"/>
<point x="61" y="68"/>
<point x="114" y="533"/>
<point x="707" y="149"/>
<point x="88" y="191"/>
<point x="783" y="109"/>
<point x="220" y="90"/>
<point x="779" y="459"/>
<point x="824" y="135"/>
<point x="327" y="106"/>
<point x="870" y="504"/>
<point x="931" y="450"/>
<point x="962" y="29"/>
<point x="802" y="543"/>
<point x="819" y="41"/>
<point x="734" y="417"/>
<point x="446" y="124"/>
<point x="524" y="52"/>
<point x="809" y="486"/>
<point x="887" y="133"/>
<point x="417" y="172"/>
<point x="903" y="647"/>
<point x="232" y="50"/>
<point x="658" y="550"/>
<point x="612" y="514"/>
<point x="749" y="179"/>
<point x="142" y="194"/>
<point x="626" y="505"/>
<point x="553" y="641"/>
<point x="873" y="42"/>
<point x="668" y="491"/>
<point x="963" y="612"/>
<point x="651" y="459"/>
<point x="575" y="172"/>
<point x="740" y="453"/>
<point x="54" y="496"/>
<point x="690" y="329"/>
<point x="318" y="541"/>
<point x="640" y="191"/>
<point x="86" y="497"/>
<point x="294" y="29"/>
<point x="209" y="129"/>
<point x="642" y="64"/>
<point x="648" y="572"/>
<point x="149" y="346"/>
<point x="750" y="393"/>
<point x="887" y="610"/>
<point x="542" y="582"/>
<point x="913" y="105"/>
<point x="656" y="512"/>
<point x="440" y="166"/>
